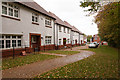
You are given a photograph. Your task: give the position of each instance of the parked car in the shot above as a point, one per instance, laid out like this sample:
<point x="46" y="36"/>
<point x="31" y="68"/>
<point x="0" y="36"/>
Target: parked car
<point x="93" y="45"/>
<point x="97" y="44"/>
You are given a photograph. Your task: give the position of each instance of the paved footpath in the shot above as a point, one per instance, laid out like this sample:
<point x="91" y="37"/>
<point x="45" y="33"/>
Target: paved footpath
<point x="32" y="70"/>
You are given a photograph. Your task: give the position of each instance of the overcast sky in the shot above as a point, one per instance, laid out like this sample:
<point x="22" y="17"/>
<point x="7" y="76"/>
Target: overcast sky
<point x="69" y="10"/>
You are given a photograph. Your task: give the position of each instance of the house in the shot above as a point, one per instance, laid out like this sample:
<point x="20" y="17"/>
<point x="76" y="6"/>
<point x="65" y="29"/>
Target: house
<point x="85" y="39"/>
<point x="62" y="33"/>
<point x="26" y="24"/>
<point x="75" y="35"/>
<point x="96" y="38"/>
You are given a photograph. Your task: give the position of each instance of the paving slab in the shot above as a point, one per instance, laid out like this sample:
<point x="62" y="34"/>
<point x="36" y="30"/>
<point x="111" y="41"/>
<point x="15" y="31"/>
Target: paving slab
<point x="32" y="70"/>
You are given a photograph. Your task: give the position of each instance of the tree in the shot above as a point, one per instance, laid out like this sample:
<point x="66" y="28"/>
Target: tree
<point x="108" y="19"/>
<point x="89" y="37"/>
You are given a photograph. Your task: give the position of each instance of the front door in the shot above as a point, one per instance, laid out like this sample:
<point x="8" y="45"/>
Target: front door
<point x="35" y="41"/>
<point x="76" y="42"/>
<point x="64" y="41"/>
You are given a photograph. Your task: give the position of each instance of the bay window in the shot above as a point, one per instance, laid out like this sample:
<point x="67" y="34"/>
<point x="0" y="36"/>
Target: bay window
<point x="4" y="10"/>
<point x="13" y="43"/>
<point x="9" y="41"/>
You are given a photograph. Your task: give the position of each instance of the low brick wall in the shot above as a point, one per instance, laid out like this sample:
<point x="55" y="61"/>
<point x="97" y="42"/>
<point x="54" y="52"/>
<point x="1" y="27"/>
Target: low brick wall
<point x="17" y="52"/>
<point x="47" y="47"/>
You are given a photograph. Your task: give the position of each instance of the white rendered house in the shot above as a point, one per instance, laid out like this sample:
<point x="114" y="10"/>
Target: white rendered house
<point x="26" y="24"/>
<point x="62" y="33"/>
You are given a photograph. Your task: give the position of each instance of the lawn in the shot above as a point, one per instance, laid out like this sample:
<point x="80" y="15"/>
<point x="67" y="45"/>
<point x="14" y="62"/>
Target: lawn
<point x="104" y="64"/>
<point x="63" y="52"/>
<point x="19" y="61"/>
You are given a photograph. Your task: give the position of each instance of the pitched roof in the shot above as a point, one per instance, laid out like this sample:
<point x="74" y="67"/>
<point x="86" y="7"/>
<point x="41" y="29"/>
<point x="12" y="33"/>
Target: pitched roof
<point x="35" y="6"/>
<point x="73" y="27"/>
<point x="68" y="24"/>
<point x="58" y="20"/>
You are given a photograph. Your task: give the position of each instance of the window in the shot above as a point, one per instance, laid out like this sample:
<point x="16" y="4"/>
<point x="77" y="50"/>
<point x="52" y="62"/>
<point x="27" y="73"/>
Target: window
<point x="64" y="30"/>
<point x="16" y="13"/>
<point x="19" y="36"/>
<point x="59" y="28"/>
<point x="13" y="36"/>
<point x="47" y="22"/>
<point x="7" y="36"/>
<point x="59" y="41"/>
<point x="68" y="31"/>
<point x="68" y="41"/>
<point x="95" y="38"/>
<point x="34" y="39"/>
<point x="13" y="43"/>
<point x="19" y="43"/>
<point x="34" y="17"/>
<point x="10" y="12"/>
<point x="10" y="9"/>
<point x="1" y="44"/>
<point x="48" y="40"/>
<point x="7" y="43"/>
<point x="4" y="10"/>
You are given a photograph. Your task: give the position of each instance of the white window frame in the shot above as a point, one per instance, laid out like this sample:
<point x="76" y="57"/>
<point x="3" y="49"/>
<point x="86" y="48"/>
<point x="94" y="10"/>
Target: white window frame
<point x="11" y="38"/>
<point x="36" y="18"/>
<point x="68" y="30"/>
<point x="68" y="40"/>
<point x="47" y="22"/>
<point x="60" y="28"/>
<point x="48" y="40"/>
<point x="64" y="30"/>
<point x="14" y="8"/>
<point x="60" y="41"/>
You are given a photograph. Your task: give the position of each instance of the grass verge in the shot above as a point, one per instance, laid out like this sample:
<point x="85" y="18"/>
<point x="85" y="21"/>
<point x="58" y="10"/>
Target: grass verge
<point x="19" y="61"/>
<point x="63" y="52"/>
<point x="104" y="64"/>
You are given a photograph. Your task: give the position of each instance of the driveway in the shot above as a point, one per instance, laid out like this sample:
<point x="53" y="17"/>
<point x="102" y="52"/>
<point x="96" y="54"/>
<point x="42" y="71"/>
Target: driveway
<point x="32" y="70"/>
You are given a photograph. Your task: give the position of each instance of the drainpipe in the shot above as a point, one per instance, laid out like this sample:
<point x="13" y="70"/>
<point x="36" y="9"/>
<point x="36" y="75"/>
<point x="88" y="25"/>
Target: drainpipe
<point x="54" y="35"/>
<point x="57" y="36"/>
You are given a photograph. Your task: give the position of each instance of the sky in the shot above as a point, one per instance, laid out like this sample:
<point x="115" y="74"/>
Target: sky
<point x="70" y="11"/>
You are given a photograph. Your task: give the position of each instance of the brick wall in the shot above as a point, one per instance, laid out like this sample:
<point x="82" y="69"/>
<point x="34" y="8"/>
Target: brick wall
<point x="47" y="47"/>
<point x="17" y="52"/>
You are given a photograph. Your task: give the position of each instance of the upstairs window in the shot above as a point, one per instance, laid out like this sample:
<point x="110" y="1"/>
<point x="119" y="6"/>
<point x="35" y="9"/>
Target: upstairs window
<point x="60" y="29"/>
<point x="68" y="31"/>
<point x="4" y="10"/>
<point x="10" y="9"/>
<point x="34" y="17"/>
<point x="47" y="22"/>
<point x="64" y="30"/>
